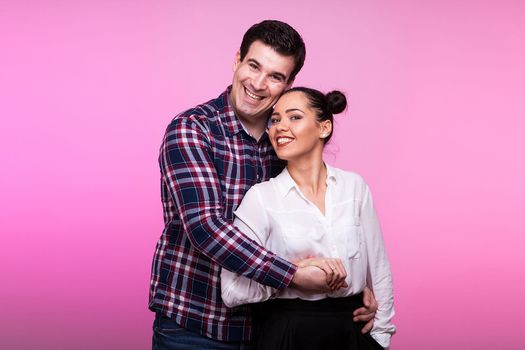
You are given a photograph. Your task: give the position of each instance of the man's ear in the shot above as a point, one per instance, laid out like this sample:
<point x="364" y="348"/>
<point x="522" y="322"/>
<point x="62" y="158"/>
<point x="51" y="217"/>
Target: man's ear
<point x="236" y="61"/>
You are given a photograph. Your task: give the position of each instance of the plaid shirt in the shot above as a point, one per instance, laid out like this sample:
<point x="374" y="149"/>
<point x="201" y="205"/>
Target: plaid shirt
<point x="208" y="162"/>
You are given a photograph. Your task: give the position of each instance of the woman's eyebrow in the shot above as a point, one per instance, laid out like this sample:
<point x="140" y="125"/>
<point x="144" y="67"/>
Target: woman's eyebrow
<point x="288" y="111"/>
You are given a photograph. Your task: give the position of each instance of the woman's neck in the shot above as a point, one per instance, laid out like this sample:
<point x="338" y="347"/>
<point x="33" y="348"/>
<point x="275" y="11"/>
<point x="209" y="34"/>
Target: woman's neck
<point x="309" y="175"/>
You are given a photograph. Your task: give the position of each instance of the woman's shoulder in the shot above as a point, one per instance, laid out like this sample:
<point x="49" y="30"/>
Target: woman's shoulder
<point x="350" y="183"/>
<point x="264" y="186"/>
<point x="346" y="176"/>
<point x="264" y="191"/>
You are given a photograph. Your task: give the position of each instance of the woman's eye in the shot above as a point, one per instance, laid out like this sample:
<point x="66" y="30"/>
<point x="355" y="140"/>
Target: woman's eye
<point x="295" y="117"/>
<point x="274" y="121"/>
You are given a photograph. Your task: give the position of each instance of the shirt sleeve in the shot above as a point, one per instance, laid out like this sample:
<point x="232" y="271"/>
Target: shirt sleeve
<point x="188" y="170"/>
<point x="379" y="275"/>
<point x="250" y="219"/>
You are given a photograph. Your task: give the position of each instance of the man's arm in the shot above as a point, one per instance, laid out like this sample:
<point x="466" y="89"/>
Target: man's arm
<point x="251" y="219"/>
<point x="189" y="172"/>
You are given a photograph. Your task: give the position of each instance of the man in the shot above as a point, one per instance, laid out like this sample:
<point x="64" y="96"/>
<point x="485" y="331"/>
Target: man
<point x="211" y="155"/>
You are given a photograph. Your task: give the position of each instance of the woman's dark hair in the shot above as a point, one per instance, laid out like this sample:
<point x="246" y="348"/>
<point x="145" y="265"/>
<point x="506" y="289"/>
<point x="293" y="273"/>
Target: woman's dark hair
<point x="326" y="106"/>
<point x="279" y="36"/>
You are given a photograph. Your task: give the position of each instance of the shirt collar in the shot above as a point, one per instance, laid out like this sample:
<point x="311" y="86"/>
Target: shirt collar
<point x="228" y="118"/>
<point x="285" y="182"/>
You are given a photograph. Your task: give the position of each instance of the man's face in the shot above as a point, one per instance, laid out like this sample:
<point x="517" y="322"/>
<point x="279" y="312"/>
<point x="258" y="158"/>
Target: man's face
<point x="258" y="81"/>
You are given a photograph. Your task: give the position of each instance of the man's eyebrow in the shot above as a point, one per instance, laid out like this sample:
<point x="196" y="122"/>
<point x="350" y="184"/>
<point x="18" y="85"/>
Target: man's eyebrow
<point x="253" y="60"/>
<point x="279" y="74"/>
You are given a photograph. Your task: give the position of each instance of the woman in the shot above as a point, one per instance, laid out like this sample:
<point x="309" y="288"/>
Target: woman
<point x="312" y="209"/>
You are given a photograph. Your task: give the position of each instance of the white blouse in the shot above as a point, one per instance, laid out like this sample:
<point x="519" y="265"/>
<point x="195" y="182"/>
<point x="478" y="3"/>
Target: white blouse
<point x="279" y="217"/>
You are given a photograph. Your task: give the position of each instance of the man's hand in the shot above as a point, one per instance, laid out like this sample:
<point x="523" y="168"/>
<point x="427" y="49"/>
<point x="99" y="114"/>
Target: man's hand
<point x="310" y="279"/>
<point x="319" y="275"/>
<point x="367" y="312"/>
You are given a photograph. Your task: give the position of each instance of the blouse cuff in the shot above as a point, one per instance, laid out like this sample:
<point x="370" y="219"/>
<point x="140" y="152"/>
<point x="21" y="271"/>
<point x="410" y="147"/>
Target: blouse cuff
<point x="383" y="339"/>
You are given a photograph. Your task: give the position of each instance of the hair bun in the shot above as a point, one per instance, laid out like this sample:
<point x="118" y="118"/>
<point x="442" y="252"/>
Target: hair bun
<point x="336" y="101"/>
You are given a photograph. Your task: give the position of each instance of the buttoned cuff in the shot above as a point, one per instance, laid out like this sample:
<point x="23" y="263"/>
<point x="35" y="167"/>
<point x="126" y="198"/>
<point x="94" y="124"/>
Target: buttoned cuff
<point x="281" y="274"/>
<point x="383" y="339"/>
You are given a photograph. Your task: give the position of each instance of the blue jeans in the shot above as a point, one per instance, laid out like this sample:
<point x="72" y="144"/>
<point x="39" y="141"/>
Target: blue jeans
<point x="168" y="335"/>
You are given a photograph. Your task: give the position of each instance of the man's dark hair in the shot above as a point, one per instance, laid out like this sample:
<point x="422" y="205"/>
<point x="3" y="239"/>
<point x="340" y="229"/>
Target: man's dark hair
<point x="279" y="36"/>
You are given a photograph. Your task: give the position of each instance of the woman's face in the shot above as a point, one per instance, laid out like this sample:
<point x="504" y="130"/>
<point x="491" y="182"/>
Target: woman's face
<point x="294" y="130"/>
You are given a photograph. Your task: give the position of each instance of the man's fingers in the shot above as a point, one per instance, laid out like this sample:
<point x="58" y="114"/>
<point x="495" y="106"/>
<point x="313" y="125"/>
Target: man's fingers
<point x="363" y="314"/>
<point x="369" y="300"/>
<point x="368" y="327"/>
<point x="367" y="296"/>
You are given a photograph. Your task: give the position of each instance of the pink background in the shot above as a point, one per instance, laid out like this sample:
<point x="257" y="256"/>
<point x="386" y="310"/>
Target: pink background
<point x="435" y="125"/>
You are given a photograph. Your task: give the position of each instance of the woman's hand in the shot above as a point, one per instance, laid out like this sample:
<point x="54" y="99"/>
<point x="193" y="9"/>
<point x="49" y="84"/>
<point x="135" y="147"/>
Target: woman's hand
<point x="332" y="267"/>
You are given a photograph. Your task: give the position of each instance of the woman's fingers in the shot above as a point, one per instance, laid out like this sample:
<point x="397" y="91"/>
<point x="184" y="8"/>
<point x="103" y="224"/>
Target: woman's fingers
<point x="339" y="273"/>
<point x="343" y="274"/>
<point x="331" y="275"/>
<point x="327" y="265"/>
<point x="332" y="267"/>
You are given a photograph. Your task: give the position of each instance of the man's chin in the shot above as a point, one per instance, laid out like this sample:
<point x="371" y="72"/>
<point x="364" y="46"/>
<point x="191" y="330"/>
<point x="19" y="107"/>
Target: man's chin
<point x="251" y="113"/>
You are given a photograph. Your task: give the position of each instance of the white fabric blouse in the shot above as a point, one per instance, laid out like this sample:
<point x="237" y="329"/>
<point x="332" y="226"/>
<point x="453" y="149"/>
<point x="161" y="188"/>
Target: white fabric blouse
<point x="279" y="217"/>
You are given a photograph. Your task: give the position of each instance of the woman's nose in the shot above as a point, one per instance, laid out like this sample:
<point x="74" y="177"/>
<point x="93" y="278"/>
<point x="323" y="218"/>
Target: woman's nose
<point x="282" y="125"/>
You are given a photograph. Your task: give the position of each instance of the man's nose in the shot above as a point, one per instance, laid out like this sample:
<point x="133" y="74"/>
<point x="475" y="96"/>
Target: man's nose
<point x="259" y="82"/>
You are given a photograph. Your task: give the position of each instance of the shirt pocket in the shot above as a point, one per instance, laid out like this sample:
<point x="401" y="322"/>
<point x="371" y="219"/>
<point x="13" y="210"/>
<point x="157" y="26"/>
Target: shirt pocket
<point x="350" y="237"/>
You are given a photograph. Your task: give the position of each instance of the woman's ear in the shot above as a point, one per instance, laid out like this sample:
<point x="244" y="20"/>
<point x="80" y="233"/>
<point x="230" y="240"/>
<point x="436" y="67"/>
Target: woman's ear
<point x="326" y="129"/>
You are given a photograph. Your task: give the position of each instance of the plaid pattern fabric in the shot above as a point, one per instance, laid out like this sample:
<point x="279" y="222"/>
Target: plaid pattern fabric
<point x="208" y="162"/>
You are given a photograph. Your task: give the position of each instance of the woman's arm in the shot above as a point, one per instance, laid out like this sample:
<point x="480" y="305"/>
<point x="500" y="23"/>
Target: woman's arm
<point x="378" y="271"/>
<point x="250" y="218"/>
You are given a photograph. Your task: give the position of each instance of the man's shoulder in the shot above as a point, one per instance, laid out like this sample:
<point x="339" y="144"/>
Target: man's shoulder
<point x="203" y="113"/>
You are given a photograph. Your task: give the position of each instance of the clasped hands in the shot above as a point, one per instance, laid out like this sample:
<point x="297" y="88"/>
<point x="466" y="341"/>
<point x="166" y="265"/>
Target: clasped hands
<point x="331" y="270"/>
<point x="324" y="275"/>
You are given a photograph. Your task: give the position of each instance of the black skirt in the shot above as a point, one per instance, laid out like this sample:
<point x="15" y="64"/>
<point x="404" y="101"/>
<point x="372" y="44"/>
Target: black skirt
<point x="295" y="324"/>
